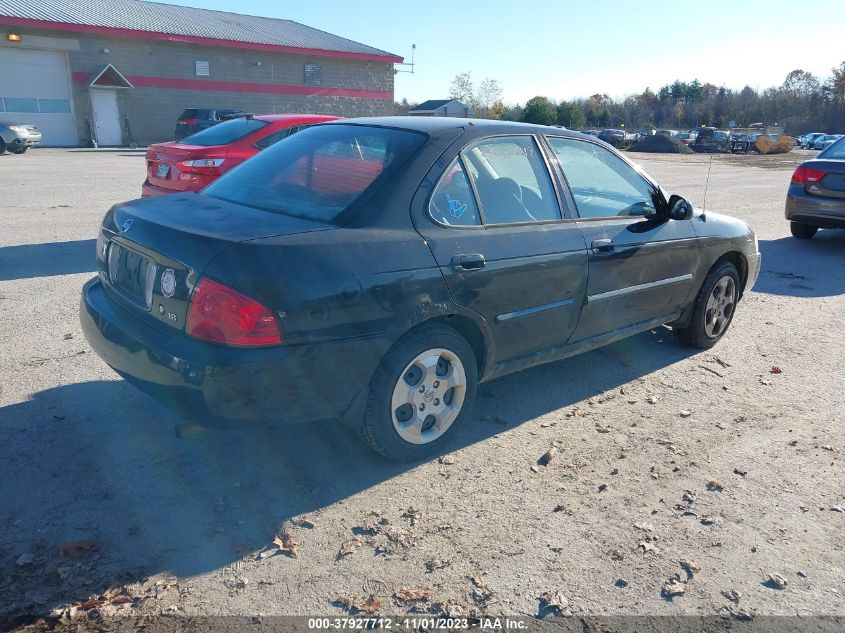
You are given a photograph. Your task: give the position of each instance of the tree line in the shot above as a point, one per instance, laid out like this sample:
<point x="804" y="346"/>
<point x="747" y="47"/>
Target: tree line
<point x="803" y="103"/>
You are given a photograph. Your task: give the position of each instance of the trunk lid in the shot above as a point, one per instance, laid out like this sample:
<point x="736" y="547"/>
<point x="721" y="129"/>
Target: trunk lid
<point x="163" y="160"/>
<point x="155" y="249"/>
<point x="832" y="185"/>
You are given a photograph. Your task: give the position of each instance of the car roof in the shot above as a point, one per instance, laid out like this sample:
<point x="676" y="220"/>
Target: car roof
<point x="275" y="118"/>
<point x="432" y="125"/>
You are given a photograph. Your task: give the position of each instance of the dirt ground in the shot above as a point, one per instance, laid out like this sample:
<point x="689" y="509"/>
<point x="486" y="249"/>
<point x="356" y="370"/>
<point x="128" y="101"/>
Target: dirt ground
<point x="718" y="468"/>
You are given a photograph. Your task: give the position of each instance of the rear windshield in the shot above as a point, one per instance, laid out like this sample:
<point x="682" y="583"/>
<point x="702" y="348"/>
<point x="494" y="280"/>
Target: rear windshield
<point x="225" y="133"/>
<point x="837" y="150"/>
<point x="319" y="172"/>
<point x="195" y="113"/>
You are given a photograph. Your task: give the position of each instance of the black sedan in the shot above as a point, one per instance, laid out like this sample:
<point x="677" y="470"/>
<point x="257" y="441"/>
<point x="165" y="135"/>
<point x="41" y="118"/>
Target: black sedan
<point x="376" y="270"/>
<point x="816" y="196"/>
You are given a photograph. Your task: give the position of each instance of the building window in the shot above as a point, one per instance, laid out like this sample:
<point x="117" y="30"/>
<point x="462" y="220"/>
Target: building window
<point x="201" y="68"/>
<point x="54" y="106"/>
<point x="15" y="104"/>
<point x="313" y="74"/>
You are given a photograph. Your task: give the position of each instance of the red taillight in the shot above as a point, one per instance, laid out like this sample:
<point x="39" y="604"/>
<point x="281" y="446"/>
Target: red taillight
<point x="207" y="166"/>
<point x="221" y="315"/>
<point x="188" y="121"/>
<point x="808" y="175"/>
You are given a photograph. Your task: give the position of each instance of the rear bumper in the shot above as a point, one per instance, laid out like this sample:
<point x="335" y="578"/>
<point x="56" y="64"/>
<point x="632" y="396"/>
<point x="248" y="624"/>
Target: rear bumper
<point x="148" y="189"/>
<point x="216" y="385"/>
<point x="825" y="213"/>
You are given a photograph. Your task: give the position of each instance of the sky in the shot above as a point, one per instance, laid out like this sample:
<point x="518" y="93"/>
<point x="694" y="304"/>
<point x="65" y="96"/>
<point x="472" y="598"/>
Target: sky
<point x="563" y="50"/>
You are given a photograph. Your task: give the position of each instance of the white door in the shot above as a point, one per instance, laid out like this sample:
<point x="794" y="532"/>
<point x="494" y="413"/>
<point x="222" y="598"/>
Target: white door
<point x="35" y="90"/>
<point x="106" y="117"/>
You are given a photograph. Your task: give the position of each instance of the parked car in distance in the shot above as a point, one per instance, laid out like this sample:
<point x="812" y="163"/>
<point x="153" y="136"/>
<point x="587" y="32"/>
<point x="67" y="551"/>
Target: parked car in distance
<point x="18" y="137"/>
<point x="376" y="270"/>
<point x="620" y="139"/>
<point x="826" y="141"/>
<point x="687" y="138"/>
<point x="808" y="139"/>
<point x="709" y="139"/>
<point x="669" y="133"/>
<point x="199" y="159"/>
<point x="816" y="195"/>
<point x="193" y="120"/>
<point x="590" y="132"/>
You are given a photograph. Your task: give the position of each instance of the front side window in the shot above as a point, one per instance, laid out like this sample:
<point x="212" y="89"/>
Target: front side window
<point x="225" y="133"/>
<point x="512" y="180"/>
<point x="453" y="202"/>
<point x="602" y="184"/>
<point x="318" y="172"/>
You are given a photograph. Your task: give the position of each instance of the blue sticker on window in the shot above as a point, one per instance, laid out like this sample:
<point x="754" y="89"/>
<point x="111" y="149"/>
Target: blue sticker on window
<point x="456" y="209"/>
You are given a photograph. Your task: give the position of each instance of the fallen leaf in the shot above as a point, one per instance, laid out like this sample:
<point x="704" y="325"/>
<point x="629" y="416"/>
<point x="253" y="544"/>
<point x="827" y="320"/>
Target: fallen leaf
<point x="644" y="526"/>
<point x="648" y="548"/>
<point x="359" y="604"/>
<point x="287" y="545"/>
<point x="775" y="581"/>
<point x="554" y="602"/>
<point x="733" y="595"/>
<point x="447" y="460"/>
<point x="837" y="509"/>
<point x="91" y="603"/>
<point x="740" y="613"/>
<point x="602" y="487"/>
<point x="690" y="566"/>
<point x="415" y="514"/>
<point x="711" y="520"/>
<point x="776" y="370"/>
<point x="409" y="596"/>
<point x="437" y="563"/>
<point x="25" y="559"/>
<point x="67" y="337"/>
<point x="477" y="580"/>
<point x="740" y="472"/>
<point x="652" y="399"/>
<point x="350" y="546"/>
<point x="674" y="587"/>
<point x="77" y="549"/>
<point x="685" y="413"/>
<point x="535" y="468"/>
<point x="715" y="486"/>
<point x="548" y="456"/>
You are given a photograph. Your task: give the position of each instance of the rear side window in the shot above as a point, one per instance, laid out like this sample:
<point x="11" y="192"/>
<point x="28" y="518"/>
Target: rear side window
<point x="275" y="137"/>
<point x="512" y="181"/>
<point x="319" y="172"/>
<point x="453" y="202"/>
<point x="225" y="133"/>
<point x="195" y="113"/>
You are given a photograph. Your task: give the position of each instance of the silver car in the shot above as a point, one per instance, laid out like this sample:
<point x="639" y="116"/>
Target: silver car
<point x="18" y="137"/>
<point x="816" y="196"/>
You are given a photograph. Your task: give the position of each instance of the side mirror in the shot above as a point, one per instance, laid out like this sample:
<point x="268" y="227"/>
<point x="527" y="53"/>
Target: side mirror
<point x="679" y="208"/>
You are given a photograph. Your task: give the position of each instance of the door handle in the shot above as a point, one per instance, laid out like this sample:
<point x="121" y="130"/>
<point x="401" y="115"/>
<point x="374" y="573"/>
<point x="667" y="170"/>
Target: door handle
<point x="474" y="261"/>
<point x="601" y="247"/>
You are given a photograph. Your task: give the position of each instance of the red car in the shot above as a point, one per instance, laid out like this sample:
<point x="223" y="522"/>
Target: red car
<point x="199" y="159"/>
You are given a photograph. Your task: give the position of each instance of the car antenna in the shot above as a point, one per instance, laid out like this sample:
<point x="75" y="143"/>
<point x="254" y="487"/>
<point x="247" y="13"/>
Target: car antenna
<point x="706" y="184"/>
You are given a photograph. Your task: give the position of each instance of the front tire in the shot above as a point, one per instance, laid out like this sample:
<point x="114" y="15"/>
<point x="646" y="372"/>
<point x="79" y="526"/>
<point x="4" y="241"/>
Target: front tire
<point x="420" y="393"/>
<point x="2" y="147"/>
<point x="20" y="150"/>
<point x="714" y="308"/>
<point x="802" y="231"/>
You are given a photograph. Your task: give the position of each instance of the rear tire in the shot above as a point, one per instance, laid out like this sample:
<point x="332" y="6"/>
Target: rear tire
<point x="713" y="308"/>
<point x="2" y="147"/>
<point x="802" y="231"/>
<point x="420" y="393"/>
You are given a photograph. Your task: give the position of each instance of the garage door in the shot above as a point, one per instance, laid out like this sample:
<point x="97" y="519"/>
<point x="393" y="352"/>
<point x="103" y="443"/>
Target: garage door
<point x="35" y="88"/>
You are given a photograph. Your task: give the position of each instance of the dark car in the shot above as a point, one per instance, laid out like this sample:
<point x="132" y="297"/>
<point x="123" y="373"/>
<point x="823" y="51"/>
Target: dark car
<point x="376" y="270"/>
<point x="620" y="139"/>
<point x="710" y="140"/>
<point x="194" y="120"/>
<point x="816" y="196"/>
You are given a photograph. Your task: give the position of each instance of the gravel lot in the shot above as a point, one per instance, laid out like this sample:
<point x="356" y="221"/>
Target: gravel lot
<point x="664" y="455"/>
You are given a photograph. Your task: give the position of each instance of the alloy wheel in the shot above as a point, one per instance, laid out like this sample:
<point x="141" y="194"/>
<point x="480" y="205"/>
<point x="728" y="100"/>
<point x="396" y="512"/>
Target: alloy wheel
<point x="720" y="307"/>
<point x="428" y="396"/>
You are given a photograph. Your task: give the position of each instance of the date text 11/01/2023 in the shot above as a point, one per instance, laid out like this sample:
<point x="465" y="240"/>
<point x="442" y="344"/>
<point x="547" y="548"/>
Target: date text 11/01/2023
<point x="416" y="623"/>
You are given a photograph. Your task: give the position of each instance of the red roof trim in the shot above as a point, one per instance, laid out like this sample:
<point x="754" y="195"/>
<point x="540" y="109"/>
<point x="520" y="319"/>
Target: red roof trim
<point x="140" y="81"/>
<point x="192" y="39"/>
